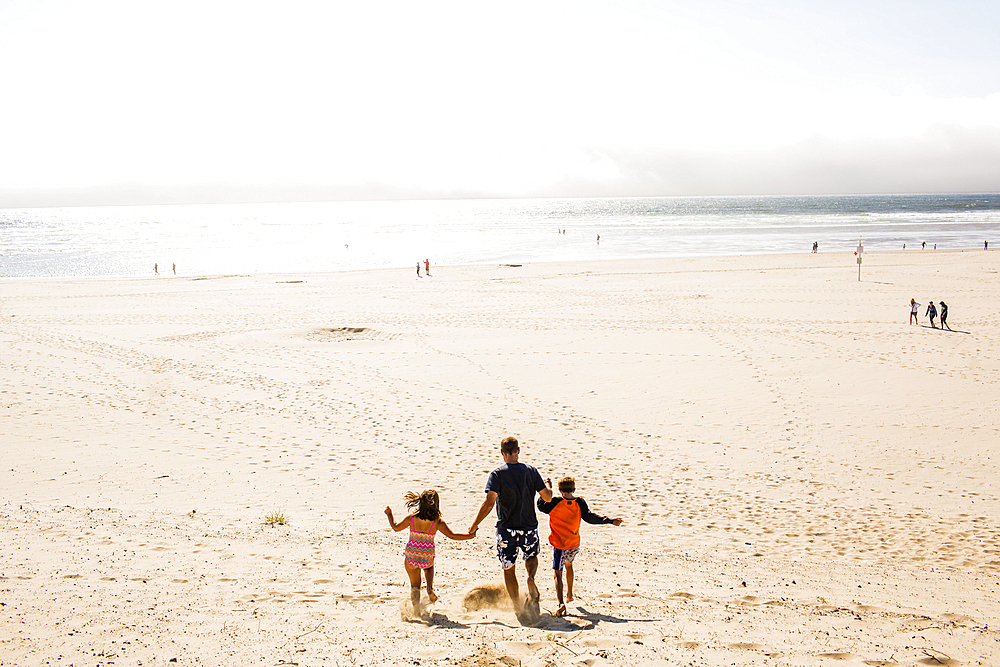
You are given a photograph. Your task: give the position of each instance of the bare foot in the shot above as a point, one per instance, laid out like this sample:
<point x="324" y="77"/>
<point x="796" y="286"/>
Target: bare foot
<point x="431" y="595"/>
<point x="533" y="593"/>
<point x="569" y="597"/>
<point x="561" y="611"/>
<point x="529" y="613"/>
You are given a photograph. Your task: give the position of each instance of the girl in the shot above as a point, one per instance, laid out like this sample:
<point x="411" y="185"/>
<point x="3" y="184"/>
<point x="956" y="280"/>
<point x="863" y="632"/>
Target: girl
<point x="419" y="554"/>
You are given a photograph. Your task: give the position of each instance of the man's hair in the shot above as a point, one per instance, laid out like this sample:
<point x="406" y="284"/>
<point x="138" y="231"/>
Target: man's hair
<point x="509" y="445"/>
<point x="567" y="484"/>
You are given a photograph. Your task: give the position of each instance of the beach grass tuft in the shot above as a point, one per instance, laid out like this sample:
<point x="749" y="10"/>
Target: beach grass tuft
<point x="275" y="518"/>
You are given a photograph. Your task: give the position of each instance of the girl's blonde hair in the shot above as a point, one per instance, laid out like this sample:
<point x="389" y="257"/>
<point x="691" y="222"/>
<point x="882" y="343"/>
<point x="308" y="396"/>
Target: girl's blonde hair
<point x="427" y="503"/>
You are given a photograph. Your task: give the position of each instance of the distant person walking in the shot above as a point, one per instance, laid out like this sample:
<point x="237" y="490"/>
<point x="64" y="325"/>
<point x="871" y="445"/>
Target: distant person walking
<point x="427" y="267"/>
<point x="156" y="269"/>
<point x="914" y="312"/>
<point x="418" y="270"/>
<point x="815" y="246"/>
<point x="923" y="246"/>
<point x="598" y="239"/>
<point x="175" y="268"/>
<point x="931" y="313"/>
<point x="944" y="316"/>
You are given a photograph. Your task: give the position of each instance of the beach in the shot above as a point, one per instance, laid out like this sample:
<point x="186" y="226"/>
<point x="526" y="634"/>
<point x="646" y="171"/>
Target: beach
<point x="805" y="478"/>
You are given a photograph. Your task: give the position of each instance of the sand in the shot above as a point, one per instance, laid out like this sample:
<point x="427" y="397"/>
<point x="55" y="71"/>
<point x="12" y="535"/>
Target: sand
<point x="805" y="478"/>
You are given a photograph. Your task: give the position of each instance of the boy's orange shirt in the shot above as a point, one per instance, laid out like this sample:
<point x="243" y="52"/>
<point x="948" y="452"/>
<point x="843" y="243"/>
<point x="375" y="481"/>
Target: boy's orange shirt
<point x="564" y="520"/>
<point x="564" y="523"/>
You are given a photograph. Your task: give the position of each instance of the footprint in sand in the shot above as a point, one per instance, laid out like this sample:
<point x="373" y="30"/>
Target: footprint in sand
<point x="745" y="646"/>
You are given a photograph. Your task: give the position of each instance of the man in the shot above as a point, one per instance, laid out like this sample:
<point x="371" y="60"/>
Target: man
<point x="511" y="488"/>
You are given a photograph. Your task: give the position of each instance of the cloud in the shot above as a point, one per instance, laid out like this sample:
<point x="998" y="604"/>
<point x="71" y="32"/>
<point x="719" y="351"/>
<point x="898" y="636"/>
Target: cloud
<point x="947" y="158"/>
<point x="221" y="99"/>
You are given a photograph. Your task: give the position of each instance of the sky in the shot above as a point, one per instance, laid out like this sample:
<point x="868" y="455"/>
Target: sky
<point x="138" y="101"/>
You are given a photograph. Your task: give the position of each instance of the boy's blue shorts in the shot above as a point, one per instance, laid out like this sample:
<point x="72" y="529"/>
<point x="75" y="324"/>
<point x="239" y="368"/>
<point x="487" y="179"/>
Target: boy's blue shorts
<point x="562" y="556"/>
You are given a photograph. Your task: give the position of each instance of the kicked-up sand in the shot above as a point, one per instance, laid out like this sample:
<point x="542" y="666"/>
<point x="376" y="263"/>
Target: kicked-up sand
<point x="805" y="478"/>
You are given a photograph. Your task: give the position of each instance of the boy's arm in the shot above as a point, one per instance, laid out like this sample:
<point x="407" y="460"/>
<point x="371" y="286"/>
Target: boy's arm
<point x="590" y="517"/>
<point x="546" y="507"/>
<point x="448" y="532"/>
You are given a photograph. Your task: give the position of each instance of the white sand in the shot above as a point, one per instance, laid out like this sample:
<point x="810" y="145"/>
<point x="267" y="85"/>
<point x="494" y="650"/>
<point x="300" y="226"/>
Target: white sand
<point x="805" y="478"/>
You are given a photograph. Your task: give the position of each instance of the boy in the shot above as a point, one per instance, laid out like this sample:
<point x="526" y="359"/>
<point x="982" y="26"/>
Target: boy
<point x="565" y="514"/>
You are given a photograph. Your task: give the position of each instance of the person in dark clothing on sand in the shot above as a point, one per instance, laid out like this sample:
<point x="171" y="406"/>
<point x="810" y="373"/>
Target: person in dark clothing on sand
<point x="944" y="316"/>
<point x="511" y="488"/>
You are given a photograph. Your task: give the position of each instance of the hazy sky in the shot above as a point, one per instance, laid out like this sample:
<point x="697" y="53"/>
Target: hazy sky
<point x="512" y="99"/>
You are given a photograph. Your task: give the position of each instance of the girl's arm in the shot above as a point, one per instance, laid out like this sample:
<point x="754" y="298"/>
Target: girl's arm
<point x="443" y="527"/>
<point x="397" y="526"/>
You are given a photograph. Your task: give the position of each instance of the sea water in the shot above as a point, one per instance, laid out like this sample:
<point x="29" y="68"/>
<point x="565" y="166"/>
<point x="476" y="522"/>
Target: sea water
<point x="334" y="236"/>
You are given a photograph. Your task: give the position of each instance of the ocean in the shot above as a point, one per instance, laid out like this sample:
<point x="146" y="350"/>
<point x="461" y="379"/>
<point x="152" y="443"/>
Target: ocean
<point x="208" y="239"/>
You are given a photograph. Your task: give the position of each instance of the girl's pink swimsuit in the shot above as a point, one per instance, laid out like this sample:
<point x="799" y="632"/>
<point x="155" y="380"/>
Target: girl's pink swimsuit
<point x="420" y="549"/>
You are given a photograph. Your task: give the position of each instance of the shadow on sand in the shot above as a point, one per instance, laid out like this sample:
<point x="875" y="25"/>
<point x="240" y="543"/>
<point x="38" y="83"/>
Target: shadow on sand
<point x="571" y="621"/>
<point x="925" y="326"/>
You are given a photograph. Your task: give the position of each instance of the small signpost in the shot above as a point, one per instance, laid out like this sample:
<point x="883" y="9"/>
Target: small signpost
<point x="857" y="254"/>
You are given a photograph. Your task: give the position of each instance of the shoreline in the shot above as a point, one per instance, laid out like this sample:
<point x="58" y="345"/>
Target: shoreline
<point x="758" y="420"/>
<point x="555" y="263"/>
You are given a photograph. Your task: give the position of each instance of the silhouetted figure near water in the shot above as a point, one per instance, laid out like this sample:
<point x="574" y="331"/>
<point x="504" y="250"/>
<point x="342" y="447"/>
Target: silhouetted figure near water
<point x="156" y="269"/>
<point x="175" y="268"/>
